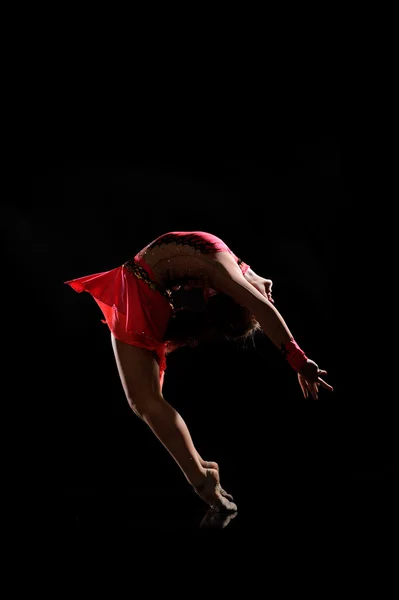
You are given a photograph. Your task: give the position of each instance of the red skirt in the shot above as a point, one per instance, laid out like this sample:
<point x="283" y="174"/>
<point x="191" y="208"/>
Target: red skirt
<point x="134" y="311"/>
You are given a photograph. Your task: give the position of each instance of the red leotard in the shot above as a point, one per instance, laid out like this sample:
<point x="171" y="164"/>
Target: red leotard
<point x="134" y="297"/>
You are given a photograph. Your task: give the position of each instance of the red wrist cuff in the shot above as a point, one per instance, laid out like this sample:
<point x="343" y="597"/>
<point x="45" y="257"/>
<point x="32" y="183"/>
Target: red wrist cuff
<point x="296" y="357"/>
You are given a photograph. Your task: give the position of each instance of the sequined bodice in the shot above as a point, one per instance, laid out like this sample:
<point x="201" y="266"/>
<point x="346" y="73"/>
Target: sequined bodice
<point x="186" y="257"/>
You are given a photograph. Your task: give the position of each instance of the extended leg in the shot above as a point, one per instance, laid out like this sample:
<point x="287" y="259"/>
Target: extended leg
<point x="139" y="373"/>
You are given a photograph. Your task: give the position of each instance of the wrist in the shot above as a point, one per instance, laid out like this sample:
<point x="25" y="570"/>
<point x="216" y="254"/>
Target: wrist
<point x="294" y="355"/>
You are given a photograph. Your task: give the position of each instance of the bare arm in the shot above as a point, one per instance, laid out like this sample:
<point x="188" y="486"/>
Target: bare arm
<point x="254" y="292"/>
<point x="246" y="289"/>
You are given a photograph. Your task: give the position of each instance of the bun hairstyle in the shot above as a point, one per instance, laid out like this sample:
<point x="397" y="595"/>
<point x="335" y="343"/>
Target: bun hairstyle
<point x="196" y="320"/>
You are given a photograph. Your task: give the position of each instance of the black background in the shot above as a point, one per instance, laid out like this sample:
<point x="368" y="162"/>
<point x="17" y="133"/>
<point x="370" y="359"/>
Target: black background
<point x="283" y="203"/>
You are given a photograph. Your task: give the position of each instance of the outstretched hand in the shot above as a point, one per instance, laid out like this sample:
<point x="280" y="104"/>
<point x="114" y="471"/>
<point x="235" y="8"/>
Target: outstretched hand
<point x="309" y="378"/>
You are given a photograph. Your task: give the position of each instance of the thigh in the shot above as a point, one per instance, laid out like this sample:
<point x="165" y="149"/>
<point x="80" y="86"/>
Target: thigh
<point x="138" y="369"/>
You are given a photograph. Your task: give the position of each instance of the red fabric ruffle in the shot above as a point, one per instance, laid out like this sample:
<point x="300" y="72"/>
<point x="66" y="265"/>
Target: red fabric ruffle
<point x="135" y="313"/>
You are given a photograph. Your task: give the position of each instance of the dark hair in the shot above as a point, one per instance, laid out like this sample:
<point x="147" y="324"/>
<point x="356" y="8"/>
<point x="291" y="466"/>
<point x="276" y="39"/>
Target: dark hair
<point x="196" y="320"/>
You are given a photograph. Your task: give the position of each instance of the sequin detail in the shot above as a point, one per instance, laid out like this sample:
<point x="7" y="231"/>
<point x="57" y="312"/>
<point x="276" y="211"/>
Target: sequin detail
<point x="138" y="271"/>
<point x="191" y="239"/>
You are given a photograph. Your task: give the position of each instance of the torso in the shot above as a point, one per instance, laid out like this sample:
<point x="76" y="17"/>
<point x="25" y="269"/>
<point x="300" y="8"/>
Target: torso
<point x="186" y="257"/>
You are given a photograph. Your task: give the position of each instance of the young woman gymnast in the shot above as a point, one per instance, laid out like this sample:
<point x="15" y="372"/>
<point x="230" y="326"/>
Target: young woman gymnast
<point x="181" y="289"/>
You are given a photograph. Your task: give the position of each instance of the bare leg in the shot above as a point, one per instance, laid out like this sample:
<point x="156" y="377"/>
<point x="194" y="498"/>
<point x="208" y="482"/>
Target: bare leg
<point x="139" y="373"/>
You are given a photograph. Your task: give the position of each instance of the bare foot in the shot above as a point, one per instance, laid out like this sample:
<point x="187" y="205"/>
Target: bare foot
<point x="210" y="492"/>
<point x="209" y="464"/>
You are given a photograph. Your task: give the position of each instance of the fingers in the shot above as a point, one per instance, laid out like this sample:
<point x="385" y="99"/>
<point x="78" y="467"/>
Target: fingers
<point x="312" y="387"/>
<point x="303" y="387"/>
<point x="325" y="385"/>
<point x="322" y="382"/>
<point x="309" y="387"/>
<point x="268" y="285"/>
<point x="313" y="390"/>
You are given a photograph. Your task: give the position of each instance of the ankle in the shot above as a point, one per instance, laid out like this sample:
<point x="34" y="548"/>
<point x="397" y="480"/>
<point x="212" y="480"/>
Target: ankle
<point x="198" y="482"/>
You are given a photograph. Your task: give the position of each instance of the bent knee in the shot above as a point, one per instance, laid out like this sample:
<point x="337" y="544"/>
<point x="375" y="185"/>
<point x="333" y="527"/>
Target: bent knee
<point x="143" y="404"/>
